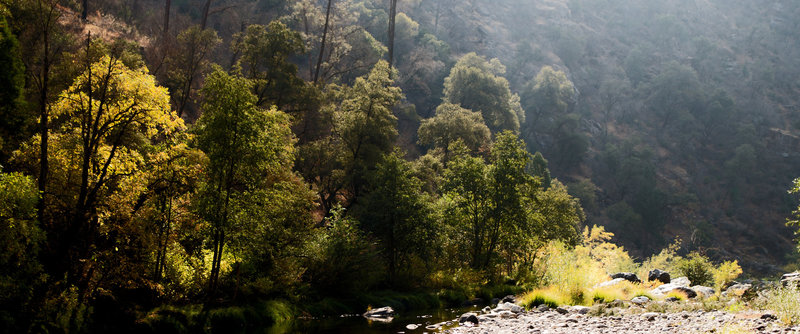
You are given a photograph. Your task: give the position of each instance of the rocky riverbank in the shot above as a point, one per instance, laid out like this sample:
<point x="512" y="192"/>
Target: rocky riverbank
<point x="628" y="320"/>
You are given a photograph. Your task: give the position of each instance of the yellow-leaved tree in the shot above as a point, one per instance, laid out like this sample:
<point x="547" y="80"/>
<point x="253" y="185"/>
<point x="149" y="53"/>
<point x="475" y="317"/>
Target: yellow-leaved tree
<point x="105" y="128"/>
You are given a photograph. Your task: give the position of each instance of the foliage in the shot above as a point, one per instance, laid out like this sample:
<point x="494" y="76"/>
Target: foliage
<point x="477" y="84"/>
<point x="785" y="301"/>
<point x="452" y="123"/>
<point x="697" y="268"/>
<point x="342" y="259"/>
<point x="12" y="84"/>
<point x="186" y="61"/>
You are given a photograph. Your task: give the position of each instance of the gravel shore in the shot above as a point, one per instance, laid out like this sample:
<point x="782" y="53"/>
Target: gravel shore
<point x="629" y="321"/>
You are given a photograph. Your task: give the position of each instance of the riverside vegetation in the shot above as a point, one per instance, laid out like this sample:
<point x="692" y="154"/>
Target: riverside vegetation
<point x="222" y="166"/>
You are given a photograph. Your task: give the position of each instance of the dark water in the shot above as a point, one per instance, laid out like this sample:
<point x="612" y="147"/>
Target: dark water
<point x="357" y="324"/>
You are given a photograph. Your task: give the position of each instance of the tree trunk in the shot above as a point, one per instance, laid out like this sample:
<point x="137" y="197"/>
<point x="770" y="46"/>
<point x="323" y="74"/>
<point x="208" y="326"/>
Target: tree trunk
<point x="44" y="132"/>
<point x="166" y="17"/>
<point x="206" y="7"/>
<point x="392" y="15"/>
<point x="85" y="10"/>
<point x="324" y="37"/>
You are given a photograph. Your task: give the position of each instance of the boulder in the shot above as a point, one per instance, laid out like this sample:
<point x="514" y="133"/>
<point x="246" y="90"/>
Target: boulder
<point x="658" y="275"/>
<point x="543" y="308"/>
<point x="412" y="327"/>
<point x="650" y="316"/>
<point x="630" y="277"/>
<point x="383" y="312"/>
<point x="580" y="309"/>
<point x="640" y="300"/>
<point x="612" y="282"/>
<point x="507" y="314"/>
<point x="509" y="307"/>
<point x="703" y="291"/>
<point x="468" y="317"/>
<point x="737" y="290"/>
<point x="509" y="299"/>
<point x="681" y="281"/>
<point x="791" y="279"/>
<point x="663" y="290"/>
<point x="562" y="310"/>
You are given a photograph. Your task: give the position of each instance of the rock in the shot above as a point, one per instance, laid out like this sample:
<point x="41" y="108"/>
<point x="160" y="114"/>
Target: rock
<point x="658" y="275"/>
<point x="434" y="326"/>
<point x="509" y="299"/>
<point x="580" y="309"/>
<point x="687" y="291"/>
<point x="671" y="299"/>
<point x="509" y="307"/>
<point x="681" y="281"/>
<point x="610" y="283"/>
<point x="468" y="317"/>
<point x="791" y="279"/>
<point x="640" y="300"/>
<point x="543" y="308"/>
<point x="412" y="327"/>
<point x="737" y="289"/>
<point x="562" y="310"/>
<point x="507" y="314"/>
<point x="769" y="317"/>
<point x="650" y="316"/>
<point x="472" y="302"/>
<point x="486" y="309"/>
<point x="703" y="291"/>
<point x="495" y="301"/>
<point x="630" y="277"/>
<point x="383" y="312"/>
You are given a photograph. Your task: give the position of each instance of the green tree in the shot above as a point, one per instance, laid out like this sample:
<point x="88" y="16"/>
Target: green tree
<point x="20" y="240"/>
<point x="265" y="59"/>
<point x="547" y="99"/>
<point x="363" y="124"/>
<point x="395" y="211"/>
<point x="246" y="147"/>
<point x="186" y="62"/>
<point x="452" y="123"/>
<point x="13" y="118"/>
<point x="478" y="85"/>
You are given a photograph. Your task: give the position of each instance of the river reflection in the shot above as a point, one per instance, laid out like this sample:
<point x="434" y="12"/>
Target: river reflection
<point x="357" y="324"/>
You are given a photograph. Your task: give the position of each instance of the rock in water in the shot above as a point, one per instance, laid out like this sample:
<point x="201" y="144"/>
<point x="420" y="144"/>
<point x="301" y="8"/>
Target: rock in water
<point x="658" y="275"/>
<point x="468" y="317"/>
<point x="412" y="327"/>
<point x="630" y="277"/>
<point x="383" y="312"/>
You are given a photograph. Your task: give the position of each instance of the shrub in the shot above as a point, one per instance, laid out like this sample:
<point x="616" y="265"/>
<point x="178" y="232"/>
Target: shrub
<point x="726" y="273"/>
<point x="548" y="296"/>
<point x="697" y="268"/>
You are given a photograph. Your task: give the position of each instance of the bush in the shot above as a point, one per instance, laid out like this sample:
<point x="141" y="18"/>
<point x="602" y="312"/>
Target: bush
<point x="548" y="296"/>
<point x="697" y="268"/>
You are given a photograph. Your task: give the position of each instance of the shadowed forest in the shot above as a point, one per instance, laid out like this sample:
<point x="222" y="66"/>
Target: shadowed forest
<point x="180" y="163"/>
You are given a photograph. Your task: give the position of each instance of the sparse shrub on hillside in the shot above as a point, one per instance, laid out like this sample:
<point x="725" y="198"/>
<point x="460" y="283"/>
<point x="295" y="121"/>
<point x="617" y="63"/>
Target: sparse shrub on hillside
<point x="784" y="301"/>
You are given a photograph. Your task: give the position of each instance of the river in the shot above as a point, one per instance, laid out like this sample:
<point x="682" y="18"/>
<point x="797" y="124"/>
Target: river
<point x="356" y="324"/>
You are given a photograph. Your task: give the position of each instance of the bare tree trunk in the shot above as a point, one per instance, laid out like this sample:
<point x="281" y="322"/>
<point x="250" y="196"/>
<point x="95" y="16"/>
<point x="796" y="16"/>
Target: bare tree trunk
<point x="324" y="37"/>
<point x="206" y="7"/>
<point x="85" y="11"/>
<point x="392" y="15"/>
<point x="166" y="17"/>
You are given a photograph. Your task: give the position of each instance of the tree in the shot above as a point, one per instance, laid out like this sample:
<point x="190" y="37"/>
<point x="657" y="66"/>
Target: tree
<point x="395" y="211"/>
<point x="12" y="84"/>
<point x="324" y="39"/>
<point x="265" y="59"/>
<point x="364" y="124"/>
<point x="246" y="147"/>
<point x="674" y="94"/>
<point x="107" y="122"/>
<point x="452" y="123"/>
<point x="186" y="62"/>
<point x="478" y="85"/>
<point x="392" y="16"/>
<point x="547" y="98"/>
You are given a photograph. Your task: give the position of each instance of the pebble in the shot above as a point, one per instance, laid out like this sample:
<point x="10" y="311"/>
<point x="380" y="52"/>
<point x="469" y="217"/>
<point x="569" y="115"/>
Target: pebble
<point x="629" y="321"/>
